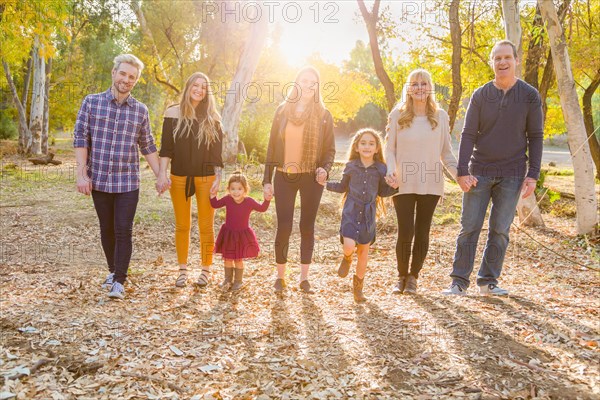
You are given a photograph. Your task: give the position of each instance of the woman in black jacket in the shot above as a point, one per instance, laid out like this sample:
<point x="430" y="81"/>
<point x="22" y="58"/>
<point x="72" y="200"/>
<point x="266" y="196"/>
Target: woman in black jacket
<point x="301" y="151"/>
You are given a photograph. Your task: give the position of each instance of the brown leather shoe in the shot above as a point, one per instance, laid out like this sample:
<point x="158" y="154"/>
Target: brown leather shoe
<point x="399" y="286"/>
<point x="357" y="285"/>
<point x="345" y="266"/>
<point x="411" y="285"/>
<point x="279" y="285"/>
<point x="305" y="287"/>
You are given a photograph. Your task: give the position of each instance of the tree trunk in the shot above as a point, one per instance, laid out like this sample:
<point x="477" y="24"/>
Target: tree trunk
<point x="371" y="23"/>
<point x="512" y="27"/>
<point x="455" y="34"/>
<point x="37" y="99"/>
<point x="26" y="81"/>
<point x="528" y="210"/>
<point x="546" y="83"/>
<point x="548" y="74"/>
<point x="45" y="119"/>
<point x="24" y="132"/>
<point x="585" y="196"/>
<point x="535" y="51"/>
<point x="235" y="97"/>
<point x="588" y="120"/>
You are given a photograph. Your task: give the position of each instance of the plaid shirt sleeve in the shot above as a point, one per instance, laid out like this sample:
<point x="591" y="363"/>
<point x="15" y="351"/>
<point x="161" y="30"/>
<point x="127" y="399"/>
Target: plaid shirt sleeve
<point x="146" y="141"/>
<point x="81" y="133"/>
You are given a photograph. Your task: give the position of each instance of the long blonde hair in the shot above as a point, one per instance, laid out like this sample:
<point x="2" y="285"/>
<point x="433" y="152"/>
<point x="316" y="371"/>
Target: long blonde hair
<point x="378" y="157"/>
<point x="208" y="131"/>
<point x="406" y="107"/>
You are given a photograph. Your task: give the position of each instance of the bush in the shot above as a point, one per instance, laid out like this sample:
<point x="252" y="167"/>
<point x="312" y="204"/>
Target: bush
<point x="254" y="132"/>
<point x="8" y="128"/>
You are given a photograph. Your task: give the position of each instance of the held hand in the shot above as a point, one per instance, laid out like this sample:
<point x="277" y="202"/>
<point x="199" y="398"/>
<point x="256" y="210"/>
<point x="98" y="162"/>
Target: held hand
<point x="162" y="184"/>
<point x="213" y="192"/>
<point x="392" y="181"/>
<point x="466" y="182"/>
<point x="214" y="189"/>
<point x="321" y="176"/>
<point x="528" y="187"/>
<point x="84" y="184"/>
<point x="268" y="191"/>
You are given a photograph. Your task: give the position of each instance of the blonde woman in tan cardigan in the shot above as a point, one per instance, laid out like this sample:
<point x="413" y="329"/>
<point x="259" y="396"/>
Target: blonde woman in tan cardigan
<point x="417" y="149"/>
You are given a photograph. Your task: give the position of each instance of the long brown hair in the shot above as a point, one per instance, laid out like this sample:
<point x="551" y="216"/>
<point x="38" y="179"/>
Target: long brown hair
<point x="353" y="151"/>
<point x="207" y="110"/>
<point x="293" y="95"/>
<point x="406" y="107"/>
<point x="378" y="157"/>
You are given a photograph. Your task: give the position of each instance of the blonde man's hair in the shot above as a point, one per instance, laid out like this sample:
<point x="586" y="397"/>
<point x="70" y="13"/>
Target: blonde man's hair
<point x="129" y="59"/>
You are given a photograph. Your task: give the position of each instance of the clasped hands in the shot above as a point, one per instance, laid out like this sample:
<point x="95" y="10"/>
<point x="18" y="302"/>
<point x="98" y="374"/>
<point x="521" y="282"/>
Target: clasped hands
<point x="163" y="183"/>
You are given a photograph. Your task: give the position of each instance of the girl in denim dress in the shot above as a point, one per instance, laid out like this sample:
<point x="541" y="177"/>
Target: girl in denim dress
<point x="363" y="184"/>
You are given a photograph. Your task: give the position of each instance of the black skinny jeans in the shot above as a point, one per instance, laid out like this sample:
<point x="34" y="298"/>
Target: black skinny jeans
<point x="286" y="187"/>
<point x="411" y="226"/>
<point x="115" y="213"/>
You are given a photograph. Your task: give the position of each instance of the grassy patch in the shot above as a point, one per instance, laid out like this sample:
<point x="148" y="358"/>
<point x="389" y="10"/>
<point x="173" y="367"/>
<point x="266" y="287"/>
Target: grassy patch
<point x="560" y="172"/>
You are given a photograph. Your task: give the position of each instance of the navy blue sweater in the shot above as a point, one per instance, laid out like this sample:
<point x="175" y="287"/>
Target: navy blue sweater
<point x="502" y="132"/>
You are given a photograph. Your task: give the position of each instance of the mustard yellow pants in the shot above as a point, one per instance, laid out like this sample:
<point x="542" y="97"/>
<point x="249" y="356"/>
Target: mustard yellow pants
<point x="183" y="218"/>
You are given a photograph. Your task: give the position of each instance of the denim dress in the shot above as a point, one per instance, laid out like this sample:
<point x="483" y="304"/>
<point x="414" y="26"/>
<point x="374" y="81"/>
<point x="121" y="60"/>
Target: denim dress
<point x="362" y="185"/>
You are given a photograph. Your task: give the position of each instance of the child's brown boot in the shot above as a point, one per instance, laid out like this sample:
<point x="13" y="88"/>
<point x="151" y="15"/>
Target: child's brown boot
<point x="226" y="284"/>
<point x="357" y="285"/>
<point x="237" y="282"/>
<point x="345" y="266"/>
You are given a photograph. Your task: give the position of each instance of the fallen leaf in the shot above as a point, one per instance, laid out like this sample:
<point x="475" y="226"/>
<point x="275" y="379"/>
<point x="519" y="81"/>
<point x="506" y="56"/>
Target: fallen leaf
<point x="176" y="350"/>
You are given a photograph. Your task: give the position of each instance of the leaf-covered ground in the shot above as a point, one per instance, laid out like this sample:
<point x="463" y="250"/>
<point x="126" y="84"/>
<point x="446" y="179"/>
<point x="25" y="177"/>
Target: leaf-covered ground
<point x="62" y="338"/>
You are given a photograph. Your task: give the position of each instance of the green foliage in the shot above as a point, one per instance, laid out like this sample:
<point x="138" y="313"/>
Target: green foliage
<point x="83" y="38"/>
<point x="541" y="190"/>
<point x="254" y="133"/>
<point x="369" y="116"/>
<point x="8" y="127"/>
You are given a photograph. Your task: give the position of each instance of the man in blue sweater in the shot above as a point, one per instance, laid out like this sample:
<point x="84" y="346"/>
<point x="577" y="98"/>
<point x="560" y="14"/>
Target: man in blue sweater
<point x="499" y="158"/>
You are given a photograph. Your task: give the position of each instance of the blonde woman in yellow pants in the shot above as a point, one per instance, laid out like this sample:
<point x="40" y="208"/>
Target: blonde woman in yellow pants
<point x="191" y="145"/>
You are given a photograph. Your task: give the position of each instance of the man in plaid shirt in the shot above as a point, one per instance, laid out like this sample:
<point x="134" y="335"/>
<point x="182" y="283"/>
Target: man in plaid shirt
<point x="110" y="128"/>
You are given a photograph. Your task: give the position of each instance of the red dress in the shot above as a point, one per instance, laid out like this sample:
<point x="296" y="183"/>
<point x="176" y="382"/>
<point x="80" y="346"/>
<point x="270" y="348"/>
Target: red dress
<point x="236" y="240"/>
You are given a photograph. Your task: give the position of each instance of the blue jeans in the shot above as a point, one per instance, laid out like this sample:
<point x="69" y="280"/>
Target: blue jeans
<point x="504" y="193"/>
<point x="115" y="214"/>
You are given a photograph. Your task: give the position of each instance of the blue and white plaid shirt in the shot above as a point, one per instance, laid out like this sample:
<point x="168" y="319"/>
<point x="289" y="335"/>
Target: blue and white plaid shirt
<point x="112" y="133"/>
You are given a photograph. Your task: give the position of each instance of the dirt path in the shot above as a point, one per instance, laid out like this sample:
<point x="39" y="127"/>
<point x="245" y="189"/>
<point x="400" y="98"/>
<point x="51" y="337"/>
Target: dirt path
<point x="167" y="343"/>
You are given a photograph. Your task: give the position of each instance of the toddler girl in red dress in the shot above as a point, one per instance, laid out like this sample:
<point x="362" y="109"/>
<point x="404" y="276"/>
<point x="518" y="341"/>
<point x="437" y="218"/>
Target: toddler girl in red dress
<point x="236" y="240"/>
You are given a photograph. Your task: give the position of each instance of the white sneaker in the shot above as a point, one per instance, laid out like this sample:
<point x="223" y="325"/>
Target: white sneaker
<point x="108" y="282"/>
<point x="117" y="291"/>
<point x="455" y="290"/>
<point x="493" y="290"/>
